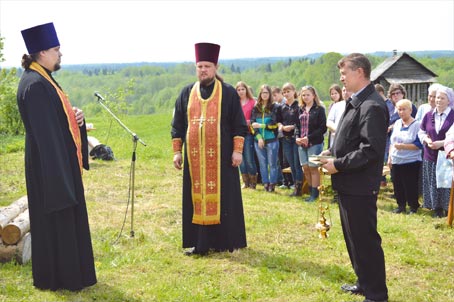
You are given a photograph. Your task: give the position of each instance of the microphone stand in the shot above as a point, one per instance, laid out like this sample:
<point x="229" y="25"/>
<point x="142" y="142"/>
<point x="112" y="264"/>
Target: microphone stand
<point x="135" y="139"/>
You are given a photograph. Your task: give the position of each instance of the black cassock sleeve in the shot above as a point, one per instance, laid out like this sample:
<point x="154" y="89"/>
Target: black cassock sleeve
<point x="50" y="137"/>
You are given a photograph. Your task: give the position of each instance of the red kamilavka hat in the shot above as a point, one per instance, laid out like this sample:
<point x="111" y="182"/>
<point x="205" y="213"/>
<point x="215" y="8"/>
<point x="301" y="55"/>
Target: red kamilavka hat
<point x="207" y="52"/>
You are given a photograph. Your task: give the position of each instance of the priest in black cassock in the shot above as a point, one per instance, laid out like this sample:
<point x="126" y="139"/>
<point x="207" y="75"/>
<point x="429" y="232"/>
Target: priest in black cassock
<point x="209" y="122"/>
<point x="55" y="155"/>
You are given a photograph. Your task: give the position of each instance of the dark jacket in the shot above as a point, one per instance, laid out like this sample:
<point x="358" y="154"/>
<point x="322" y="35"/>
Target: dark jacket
<point x="317" y="125"/>
<point x="288" y="115"/>
<point x="359" y="144"/>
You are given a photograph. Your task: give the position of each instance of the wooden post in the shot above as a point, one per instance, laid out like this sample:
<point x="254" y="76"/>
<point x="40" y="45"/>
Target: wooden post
<point x="15" y="230"/>
<point x="451" y="205"/>
<point x="8" y="213"/>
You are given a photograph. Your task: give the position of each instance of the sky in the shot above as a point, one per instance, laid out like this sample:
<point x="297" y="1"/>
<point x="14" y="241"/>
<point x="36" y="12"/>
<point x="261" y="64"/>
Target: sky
<point x="121" y="31"/>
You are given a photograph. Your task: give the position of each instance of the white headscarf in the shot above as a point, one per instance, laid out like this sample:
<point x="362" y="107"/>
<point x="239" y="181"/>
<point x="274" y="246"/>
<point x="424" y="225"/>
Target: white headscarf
<point x="449" y="93"/>
<point x="434" y="87"/>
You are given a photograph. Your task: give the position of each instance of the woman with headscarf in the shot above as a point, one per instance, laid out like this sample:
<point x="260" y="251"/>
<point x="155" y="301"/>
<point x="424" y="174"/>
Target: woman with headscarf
<point x="434" y="127"/>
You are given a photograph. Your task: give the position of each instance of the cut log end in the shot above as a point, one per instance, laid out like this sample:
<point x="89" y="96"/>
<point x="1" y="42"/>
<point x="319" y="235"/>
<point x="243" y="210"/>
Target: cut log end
<point x="11" y="234"/>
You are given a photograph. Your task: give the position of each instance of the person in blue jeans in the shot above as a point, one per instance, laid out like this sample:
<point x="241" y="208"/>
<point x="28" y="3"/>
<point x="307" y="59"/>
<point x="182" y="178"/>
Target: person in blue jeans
<point x="264" y="124"/>
<point x="288" y="121"/>
<point x="248" y="168"/>
<point x="310" y="136"/>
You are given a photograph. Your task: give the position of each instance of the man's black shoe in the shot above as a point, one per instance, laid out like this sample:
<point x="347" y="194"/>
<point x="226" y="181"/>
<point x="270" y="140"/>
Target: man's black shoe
<point x="352" y="289"/>
<point x="368" y="300"/>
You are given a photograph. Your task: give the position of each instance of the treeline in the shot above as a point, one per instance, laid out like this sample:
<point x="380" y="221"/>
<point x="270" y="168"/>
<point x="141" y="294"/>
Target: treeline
<point x="146" y="88"/>
<point x="153" y="88"/>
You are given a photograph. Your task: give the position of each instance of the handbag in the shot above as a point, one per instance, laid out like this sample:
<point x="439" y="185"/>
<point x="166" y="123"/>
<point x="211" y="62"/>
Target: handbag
<point x="444" y="170"/>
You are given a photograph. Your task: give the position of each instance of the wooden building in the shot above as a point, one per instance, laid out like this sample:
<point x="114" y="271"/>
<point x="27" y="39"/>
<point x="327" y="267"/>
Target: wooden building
<point x="405" y="70"/>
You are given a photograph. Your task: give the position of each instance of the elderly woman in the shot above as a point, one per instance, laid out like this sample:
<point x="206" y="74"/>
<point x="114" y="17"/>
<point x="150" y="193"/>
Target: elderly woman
<point x="404" y="158"/>
<point x="430" y="105"/>
<point x="432" y="133"/>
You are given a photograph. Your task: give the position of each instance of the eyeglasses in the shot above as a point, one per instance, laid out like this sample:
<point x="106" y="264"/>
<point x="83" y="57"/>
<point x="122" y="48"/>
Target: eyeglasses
<point x="396" y="93"/>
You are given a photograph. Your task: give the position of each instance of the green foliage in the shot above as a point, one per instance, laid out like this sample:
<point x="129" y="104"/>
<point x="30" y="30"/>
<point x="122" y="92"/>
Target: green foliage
<point x="11" y="143"/>
<point x="1" y="49"/>
<point x="156" y="85"/>
<point x="10" y="120"/>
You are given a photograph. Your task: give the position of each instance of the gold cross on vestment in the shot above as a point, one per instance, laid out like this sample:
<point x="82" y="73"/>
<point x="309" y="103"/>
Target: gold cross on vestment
<point x="212" y="184"/>
<point x="211" y="152"/>
<point x="211" y="120"/>
<point x="194" y="151"/>
<point x="197" y="184"/>
<point x="199" y="120"/>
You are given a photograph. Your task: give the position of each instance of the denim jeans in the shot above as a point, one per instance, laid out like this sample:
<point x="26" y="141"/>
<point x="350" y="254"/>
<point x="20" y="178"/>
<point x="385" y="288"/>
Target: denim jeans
<point x="248" y="164"/>
<point x="268" y="159"/>
<point x="290" y="149"/>
<point x="304" y="154"/>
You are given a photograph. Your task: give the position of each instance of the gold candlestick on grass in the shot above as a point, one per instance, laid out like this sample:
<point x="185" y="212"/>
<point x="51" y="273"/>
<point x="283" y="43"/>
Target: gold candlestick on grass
<point x="323" y="225"/>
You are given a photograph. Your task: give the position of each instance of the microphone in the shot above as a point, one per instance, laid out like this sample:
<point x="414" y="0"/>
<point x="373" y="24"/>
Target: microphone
<point x="99" y="96"/>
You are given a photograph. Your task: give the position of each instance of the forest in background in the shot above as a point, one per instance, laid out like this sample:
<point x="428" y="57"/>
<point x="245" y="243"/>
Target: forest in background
<point x="147" y="88"/>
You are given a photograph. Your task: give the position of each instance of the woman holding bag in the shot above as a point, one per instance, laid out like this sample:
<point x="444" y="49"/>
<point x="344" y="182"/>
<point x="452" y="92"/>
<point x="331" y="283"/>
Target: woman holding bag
<point x="434" y="127"/>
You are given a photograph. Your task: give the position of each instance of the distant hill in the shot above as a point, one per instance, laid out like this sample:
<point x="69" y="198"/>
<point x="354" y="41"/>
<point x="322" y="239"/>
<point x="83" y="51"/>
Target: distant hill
<point x="422" y="53"/>
<point x="246" y="63"/>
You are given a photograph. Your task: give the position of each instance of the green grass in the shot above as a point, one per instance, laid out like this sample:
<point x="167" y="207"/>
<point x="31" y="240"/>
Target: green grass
<point x="284" y="261"/>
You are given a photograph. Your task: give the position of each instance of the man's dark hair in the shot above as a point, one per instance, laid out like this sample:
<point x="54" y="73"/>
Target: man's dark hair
<point x="355" y="61"/>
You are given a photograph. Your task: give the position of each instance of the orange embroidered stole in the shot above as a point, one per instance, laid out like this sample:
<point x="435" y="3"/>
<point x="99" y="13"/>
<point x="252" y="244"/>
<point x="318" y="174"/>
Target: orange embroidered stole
<point x="203" y="145"/>
<point x="70" y="115"/>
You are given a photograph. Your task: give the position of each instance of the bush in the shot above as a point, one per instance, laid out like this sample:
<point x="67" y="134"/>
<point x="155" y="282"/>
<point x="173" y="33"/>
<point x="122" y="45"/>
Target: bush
<point x="10" y="120"/>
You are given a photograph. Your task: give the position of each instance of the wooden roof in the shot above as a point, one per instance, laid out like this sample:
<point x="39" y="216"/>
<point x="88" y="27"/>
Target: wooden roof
<point x="403" y="69"/>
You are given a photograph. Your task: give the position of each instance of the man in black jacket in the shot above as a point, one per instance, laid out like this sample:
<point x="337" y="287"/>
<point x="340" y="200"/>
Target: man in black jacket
<point x="356" y="170"/>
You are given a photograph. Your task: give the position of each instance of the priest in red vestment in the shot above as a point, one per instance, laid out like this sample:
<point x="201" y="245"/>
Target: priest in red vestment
<point x="209" y="124"/>
<point x="55" y="156"/>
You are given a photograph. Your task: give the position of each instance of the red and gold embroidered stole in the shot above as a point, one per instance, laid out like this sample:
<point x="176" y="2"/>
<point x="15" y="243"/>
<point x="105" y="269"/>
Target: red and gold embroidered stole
<point x="203" y="141"/>
<point x="70" y="115"/>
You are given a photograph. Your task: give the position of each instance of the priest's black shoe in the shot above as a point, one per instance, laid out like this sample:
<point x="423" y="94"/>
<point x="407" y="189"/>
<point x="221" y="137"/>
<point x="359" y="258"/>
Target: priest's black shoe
<point x="368" y="300"/>
<point x="194" y="251"/>
<point x="352" y="289"/>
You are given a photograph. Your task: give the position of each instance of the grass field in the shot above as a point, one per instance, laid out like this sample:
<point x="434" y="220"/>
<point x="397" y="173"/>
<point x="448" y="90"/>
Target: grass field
<point x="284" y="261"/>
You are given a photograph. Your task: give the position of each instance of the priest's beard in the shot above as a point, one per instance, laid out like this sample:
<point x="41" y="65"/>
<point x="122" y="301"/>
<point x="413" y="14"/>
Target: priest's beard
<point x="57" y="66"/>
<point x="207" y="81"/>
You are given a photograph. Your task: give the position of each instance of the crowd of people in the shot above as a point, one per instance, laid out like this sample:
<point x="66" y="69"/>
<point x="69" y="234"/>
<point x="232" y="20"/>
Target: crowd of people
<point x="414" y="141"/>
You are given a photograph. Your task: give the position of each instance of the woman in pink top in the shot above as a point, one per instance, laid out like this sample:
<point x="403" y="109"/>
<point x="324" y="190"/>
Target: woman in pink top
<point x="248" y="168"/>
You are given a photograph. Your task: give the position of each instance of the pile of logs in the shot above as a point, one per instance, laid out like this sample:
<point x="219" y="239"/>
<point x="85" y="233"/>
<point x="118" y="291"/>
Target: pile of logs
<point x="15" y="238"/>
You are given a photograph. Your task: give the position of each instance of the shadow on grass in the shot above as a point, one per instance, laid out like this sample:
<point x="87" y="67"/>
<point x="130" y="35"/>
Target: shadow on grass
<point x="287" y="264"/>
<point x="97" y="292"/>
